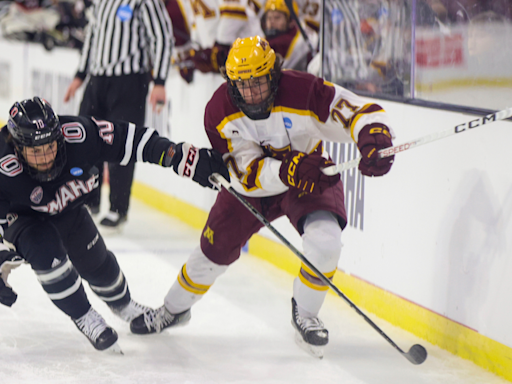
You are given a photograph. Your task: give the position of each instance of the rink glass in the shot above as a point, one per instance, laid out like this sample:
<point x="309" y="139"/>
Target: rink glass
<point x="441" y="53"/>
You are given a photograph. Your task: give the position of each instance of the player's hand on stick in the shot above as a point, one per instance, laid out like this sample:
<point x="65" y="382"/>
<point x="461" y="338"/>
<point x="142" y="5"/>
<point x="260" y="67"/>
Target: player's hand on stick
<point x="302" y="171"/>
<point x="372" y="139"/>
<point x="8" y="261"/>
<point x="198" y="164"/>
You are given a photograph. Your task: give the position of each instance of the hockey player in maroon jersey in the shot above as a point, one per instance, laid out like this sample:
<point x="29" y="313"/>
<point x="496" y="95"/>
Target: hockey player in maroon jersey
<point x="269" y="125"/>
<point x="46" y="172"/>
<point x="284" y="36"/>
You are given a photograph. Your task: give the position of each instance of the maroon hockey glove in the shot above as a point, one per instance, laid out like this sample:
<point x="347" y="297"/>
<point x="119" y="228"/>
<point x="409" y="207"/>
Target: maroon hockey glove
<point x="302" y="171"/>
<point x="198" y="164"/>
<point x="372" y="139"/>
<point x="8" y="261"/>
<point x="183" y="60"/>
<point x="187" y="74"/>
<point x="210" y="59"/>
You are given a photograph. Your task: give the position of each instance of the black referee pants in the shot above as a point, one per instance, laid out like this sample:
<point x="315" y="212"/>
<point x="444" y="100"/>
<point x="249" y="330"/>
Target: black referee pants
<point x="116" y="98"/>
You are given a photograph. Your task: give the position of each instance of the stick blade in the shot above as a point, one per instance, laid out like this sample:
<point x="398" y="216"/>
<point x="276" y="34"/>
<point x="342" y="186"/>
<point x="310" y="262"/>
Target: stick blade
<point x="417" y="354"/>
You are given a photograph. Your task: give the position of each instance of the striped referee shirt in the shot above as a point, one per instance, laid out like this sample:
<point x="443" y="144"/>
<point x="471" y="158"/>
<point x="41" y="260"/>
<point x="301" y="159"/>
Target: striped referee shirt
<point x="126" y="37"/>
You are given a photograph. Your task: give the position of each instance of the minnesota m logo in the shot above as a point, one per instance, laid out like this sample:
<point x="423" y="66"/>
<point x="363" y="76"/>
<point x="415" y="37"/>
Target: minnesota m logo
<point x="208" y="233"/>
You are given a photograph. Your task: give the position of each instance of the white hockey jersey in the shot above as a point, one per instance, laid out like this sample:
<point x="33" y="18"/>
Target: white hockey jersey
<point x="221" y="21"/>
<point x="306" y="111"/>
<point x="310" y="14"/>
<point x="203" y="20"/>
<point x="238" y="18"/>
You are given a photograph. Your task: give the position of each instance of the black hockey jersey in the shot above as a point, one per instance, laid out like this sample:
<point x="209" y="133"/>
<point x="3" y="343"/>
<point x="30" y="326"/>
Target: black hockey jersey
<point x="88" y="142"/>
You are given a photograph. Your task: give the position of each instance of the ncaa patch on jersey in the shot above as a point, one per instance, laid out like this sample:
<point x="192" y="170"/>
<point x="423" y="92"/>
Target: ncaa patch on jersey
<point x="124" y="13"/>
<point x="76" y="171"/>
<point x="287" y="122"/>
<point x="37" y="195"/>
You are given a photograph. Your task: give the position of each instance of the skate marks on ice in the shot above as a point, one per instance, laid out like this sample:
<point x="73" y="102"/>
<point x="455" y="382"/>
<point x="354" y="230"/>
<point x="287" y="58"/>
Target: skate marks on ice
<point x="239" y="333"/>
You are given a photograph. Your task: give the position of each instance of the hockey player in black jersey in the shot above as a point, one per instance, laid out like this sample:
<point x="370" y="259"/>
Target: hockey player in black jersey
<point x="46" y="172"/>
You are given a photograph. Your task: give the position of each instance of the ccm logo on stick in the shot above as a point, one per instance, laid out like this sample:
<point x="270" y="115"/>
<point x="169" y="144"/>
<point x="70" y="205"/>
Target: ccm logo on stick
<point x="475" y="123"/>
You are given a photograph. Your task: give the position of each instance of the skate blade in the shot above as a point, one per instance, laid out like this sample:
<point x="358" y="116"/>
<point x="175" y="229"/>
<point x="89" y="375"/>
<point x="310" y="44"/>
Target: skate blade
<point x="115" y="349"/>
<point x="313" y="350"/>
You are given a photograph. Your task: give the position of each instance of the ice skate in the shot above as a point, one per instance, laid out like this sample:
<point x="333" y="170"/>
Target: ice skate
<point x="94" y="327"/>
<point x="310" y="333"/>
<point x="155" y="320"/>
<point x="130" y="311"/>
<point x="112" y="223"/>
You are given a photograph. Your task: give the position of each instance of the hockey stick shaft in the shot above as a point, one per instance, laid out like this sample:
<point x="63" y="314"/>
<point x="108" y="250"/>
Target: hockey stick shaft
<point x="289" y="4"/>
<point x="416" y="355"/>
<point x="386" y="152"/>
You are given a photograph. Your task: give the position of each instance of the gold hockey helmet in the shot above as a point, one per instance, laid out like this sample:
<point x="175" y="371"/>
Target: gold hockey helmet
<point x="280" y="5"/>
<point x="252" y="58"/>
<point x="249" y="58"/>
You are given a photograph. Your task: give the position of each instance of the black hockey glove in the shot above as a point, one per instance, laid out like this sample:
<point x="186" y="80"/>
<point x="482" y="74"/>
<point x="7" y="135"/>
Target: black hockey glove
<point x="198" y="164"/>
<point x="8" y="261"/>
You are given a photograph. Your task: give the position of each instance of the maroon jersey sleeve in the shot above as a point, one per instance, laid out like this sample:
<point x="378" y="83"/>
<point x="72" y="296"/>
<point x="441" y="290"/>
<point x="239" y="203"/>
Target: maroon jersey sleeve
<point x="303" y="91"/>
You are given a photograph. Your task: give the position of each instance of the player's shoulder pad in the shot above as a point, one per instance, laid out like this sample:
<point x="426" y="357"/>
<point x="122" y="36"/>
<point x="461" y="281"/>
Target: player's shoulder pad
<point x="304" y="91"/>
<point x="219" y="107"/>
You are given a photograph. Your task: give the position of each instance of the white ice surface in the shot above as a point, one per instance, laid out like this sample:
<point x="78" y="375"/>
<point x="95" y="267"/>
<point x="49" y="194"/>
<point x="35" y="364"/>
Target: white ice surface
<point x="239" y="333"/>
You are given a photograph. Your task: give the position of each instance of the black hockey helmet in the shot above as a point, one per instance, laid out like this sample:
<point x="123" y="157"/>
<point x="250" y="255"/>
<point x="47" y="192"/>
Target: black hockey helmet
<point x="33" y="123"/>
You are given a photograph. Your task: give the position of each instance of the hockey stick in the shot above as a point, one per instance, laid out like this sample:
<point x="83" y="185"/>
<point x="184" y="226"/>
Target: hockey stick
<point x="289" y="4"/>
<point x="416" y="355"/>
<point x="386" y="152"/>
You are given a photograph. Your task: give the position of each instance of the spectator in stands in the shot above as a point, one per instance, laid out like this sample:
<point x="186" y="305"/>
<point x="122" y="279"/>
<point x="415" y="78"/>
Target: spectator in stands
<point x="120" y="57"/>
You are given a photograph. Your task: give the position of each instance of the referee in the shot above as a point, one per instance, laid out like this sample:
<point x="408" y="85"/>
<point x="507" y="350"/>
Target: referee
<point x="128" y="44"/>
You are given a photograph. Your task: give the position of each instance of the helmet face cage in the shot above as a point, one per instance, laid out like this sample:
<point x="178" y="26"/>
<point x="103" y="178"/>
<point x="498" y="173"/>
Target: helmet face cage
<point x="252" y="76"/>
<point x="254" y="110"/>
<point x="37" y="137"/>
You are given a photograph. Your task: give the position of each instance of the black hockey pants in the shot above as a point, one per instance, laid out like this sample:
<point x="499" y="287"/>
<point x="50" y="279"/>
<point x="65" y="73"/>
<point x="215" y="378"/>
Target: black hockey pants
<point x="64" y="249"/>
